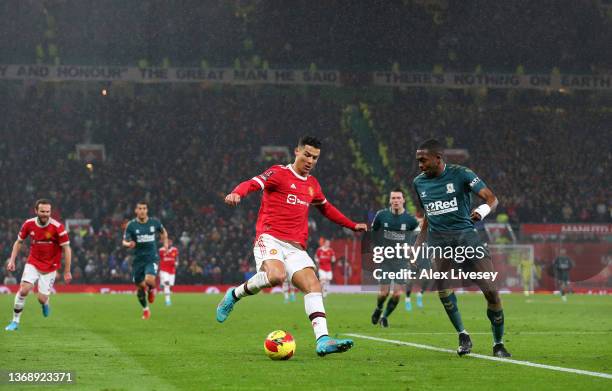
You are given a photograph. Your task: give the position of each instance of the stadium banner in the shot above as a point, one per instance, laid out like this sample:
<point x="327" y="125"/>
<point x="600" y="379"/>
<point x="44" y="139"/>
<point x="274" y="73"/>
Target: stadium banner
<point x="556" y="229"/>
<point x="168" y="75"/>
<point x="493" y="80"/>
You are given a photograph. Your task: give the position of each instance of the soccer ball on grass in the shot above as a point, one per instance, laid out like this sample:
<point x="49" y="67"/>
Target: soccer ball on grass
<point x="279" y="345"/>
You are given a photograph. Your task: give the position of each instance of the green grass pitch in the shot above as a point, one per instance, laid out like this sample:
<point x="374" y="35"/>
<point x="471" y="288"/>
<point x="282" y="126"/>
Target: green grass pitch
<point x="103" y="339"/>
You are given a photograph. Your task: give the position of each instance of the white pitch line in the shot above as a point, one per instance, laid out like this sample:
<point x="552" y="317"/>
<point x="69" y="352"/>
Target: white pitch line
<point x="517" y="333"/>
<point x="490" y="358"/>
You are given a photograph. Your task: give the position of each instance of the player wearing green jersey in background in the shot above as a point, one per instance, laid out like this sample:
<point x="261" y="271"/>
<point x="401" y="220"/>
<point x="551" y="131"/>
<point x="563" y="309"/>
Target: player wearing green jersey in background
<point x="140" y="235"/>
<point x="444" y="192"/>
<point x="391" y="226"/>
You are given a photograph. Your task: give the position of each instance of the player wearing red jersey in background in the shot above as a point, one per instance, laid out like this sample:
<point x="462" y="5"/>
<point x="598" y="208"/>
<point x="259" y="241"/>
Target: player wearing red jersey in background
<point x="288" y="291"/>
<point x="167" y="268"/>
<point x="324" y="257"/>
<point x="48" y="239"/>
<point x="281" y="236"/>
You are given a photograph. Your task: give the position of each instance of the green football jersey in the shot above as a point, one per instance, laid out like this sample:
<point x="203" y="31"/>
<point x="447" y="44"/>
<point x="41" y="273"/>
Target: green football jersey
<point x="389" y="228"/>
<point x="446" y="199"/>
<point x="144" y="236"/>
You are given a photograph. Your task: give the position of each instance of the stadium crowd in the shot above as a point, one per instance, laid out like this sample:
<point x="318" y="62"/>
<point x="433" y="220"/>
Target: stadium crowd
<point x="548" y="161"/>
<point x="571" y="35"/>
<point x="183" y="149"/>
<point x="182" y="153"/>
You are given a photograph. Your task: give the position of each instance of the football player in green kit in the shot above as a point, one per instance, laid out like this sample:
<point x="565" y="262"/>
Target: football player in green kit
<point x="390" y="226"/>
<point x="444" y="192"/>
<point x="140" y="235"/>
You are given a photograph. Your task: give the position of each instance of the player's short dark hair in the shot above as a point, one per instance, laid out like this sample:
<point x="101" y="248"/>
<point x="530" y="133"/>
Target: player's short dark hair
<point x="309" y="140"/>
<point x="42" y="201"/>
<point x="397" y="190"/>
<point x="142" y="202"/>
<point x="433" y="146"/>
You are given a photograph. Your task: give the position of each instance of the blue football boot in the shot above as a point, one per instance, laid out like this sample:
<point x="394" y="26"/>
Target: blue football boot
<point x="327" y="345"/>
<point x="226" y="306"/>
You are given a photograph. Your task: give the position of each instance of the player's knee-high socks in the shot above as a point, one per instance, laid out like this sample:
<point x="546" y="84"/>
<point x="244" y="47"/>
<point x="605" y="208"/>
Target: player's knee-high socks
<point x="18" y="307"/>
<point x="252" y="286"/>
<point x="391" y="304"/>
<point x="450" y="305"/>
<point x="167" y="291"/>
<point x="497" y="324"/>
<point x="313" y="303"/>
<point x="142" y="297"/>
<point x="286" y="289"/>
<point x="380" y="301"/>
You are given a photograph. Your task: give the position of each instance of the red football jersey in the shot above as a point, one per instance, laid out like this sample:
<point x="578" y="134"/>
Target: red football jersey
<point x="325" y="258"/>
<point x="45" y="243"/>
<point x="284" y="206"/>
<point x="167" y="261"/>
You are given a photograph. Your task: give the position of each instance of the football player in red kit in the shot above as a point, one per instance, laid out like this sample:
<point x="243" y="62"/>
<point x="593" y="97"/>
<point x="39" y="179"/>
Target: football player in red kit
<point x="281" y="237"/>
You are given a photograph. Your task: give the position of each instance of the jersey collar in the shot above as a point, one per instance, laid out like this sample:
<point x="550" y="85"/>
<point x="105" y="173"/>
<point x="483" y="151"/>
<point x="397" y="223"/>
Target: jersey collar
<point x="40" y="225"/>
<point x="290" y="167"/>
<point x="441" y="173"/>
<point x="396" y="214"/>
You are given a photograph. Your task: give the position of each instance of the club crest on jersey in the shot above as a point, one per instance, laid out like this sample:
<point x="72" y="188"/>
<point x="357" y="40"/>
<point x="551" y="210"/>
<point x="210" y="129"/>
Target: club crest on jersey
<point x="450" y="188"/>
<point x="152" y="229"/>
<point x="311" y="191"/>
<point x="137" y="231"/>
<point x="48" y="235"/>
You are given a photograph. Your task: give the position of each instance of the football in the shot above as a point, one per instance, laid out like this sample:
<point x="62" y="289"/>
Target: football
<point x="279" y="345"/>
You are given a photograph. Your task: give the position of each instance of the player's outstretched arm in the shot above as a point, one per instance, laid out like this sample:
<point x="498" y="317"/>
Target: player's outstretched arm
<point x="333" y="214"/>
<point x="10" y="265"/>
<point x="244" y="189"/>
<point x="67" y="263"/>
<point x="164" y="238"/>
<point x="489" y="206"/>
<point x="422" y="236"/>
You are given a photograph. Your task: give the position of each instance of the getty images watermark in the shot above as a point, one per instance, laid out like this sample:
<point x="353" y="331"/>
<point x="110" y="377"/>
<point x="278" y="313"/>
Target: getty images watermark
<point x="404" y="262"/>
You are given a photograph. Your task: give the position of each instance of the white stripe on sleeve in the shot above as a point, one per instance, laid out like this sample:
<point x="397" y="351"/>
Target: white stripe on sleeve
<point x="259" y="182"/>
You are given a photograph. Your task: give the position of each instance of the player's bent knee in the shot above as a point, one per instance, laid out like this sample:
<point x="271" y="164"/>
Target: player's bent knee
<point x="275" y="276"/>
<point x="24" y="292"/>
<point x="25" y="288"/>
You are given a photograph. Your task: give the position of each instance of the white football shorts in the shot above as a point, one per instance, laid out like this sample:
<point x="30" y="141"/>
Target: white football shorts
<point x="325" y="275"/>
<point x="267" y="247"/>
<point x="165" y="277"/>
<point x="45" y="280"/>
